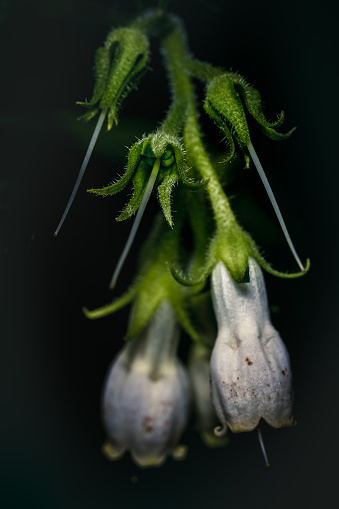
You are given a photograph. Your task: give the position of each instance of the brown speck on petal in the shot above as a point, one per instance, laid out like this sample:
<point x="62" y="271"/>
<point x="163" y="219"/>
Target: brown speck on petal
<point x="147" y="425"/>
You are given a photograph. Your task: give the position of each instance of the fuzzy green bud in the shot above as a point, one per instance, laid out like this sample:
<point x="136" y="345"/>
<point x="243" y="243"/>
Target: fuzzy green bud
<point x="141" y="159"/>
<point x="228" y="98"/>
<point x="119" y="65"/>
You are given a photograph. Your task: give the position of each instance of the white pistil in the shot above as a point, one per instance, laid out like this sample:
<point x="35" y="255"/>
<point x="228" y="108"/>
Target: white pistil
<point x="136" y="223"/>
<point x="82" y="169"/>
<point x="262" y="445"/>
<point x="274" y="203"/>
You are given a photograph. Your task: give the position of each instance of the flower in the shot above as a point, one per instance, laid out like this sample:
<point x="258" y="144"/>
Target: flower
<point x="250" y="369"/>
<point x="146" y="397"/>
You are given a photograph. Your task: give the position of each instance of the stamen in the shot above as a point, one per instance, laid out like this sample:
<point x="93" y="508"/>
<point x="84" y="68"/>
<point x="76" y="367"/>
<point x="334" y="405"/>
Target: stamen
<point x="261" y="442"/>
<point x="274" y="203"/>
<point x="220" y="431"/>
<point x="82" y="169"/>
<point x="136" y="223"/>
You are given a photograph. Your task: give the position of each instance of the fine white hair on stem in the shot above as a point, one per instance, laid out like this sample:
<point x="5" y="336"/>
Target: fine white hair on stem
<point x="136" y="224"/>
<point x="262" y="446"/>
<point x="275" y="205"/>
<point x="82" y="169"/>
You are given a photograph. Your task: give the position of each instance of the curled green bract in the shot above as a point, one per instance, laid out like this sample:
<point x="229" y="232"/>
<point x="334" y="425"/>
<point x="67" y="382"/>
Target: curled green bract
<point x="119" y="65"/>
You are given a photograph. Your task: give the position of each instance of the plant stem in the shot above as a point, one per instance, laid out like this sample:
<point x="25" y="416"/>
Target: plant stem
<point x="177" y="57"/>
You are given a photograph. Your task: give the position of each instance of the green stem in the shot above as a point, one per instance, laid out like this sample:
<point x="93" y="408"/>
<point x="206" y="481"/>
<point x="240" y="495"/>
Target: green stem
<point x="172" y="53"/>
<point x="221" y="207"/>
<point x="202" y="70"/>
<point x="160" y="24"/>
<point x="177" y="57"/>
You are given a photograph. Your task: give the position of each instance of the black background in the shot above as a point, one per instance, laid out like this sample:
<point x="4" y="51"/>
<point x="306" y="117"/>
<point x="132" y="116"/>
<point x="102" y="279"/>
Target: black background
<point x="53" y="360"/>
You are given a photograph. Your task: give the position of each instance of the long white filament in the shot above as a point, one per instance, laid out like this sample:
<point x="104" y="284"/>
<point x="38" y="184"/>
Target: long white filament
<point x="261" y="442"/>
<point x="274" y="203"/>
<point x="82" y="169"/>
<point x="136" y="224"/>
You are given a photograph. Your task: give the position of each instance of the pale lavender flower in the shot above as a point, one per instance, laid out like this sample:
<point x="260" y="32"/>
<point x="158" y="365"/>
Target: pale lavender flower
<point x="250" y="368"/>
<point x="146" y="397"/>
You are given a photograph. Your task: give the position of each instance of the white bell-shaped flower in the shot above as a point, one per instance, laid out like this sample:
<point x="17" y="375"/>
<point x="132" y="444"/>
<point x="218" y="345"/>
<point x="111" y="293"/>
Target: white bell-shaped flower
<point x="250" y="370"/>
<point x="146" y="397"/>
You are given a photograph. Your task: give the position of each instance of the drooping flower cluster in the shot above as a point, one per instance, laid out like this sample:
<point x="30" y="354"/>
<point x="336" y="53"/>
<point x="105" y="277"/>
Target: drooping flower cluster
<point x="211" y="286"/>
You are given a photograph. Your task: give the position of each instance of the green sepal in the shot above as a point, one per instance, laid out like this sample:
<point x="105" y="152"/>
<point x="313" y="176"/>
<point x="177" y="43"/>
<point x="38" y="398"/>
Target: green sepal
<point x="143" y="310"/>
<point x="140" y="181"/>
<point x="89" y="115"/>
<point x="284" y="275"/>
<point x="229" y="139"/>
<point x="141" y="158"/>
<point x="228" y="97"/>
<point x="112" y="307"/>
<point x="117" y="186"/>
<point x="165" y="193"/>
<point x="160" y="145"/>
<point x="154" y="284"/>
<point x="223" y="99"/>
<point x="253" y="103"/>
<point x="118" y="67"/>
<point x="101" y="70"/>
<point x="134" y="157"/>
<point x="274" y="135"/>
<point x="232" y="246"/>
<point x="188" y="181"/>
<point x="187" y="279"/>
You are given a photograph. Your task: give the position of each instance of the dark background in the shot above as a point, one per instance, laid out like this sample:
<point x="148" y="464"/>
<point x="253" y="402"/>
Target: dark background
<point x="53" y="360"/>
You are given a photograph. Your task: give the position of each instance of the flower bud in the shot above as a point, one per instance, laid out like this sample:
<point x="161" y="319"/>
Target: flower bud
<point x="119" y="66"/>
<point x="141" y="159"/>
<point x="146" y="396"/>
<point x="228" y="97"/>
<point x="250" y="369"/>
